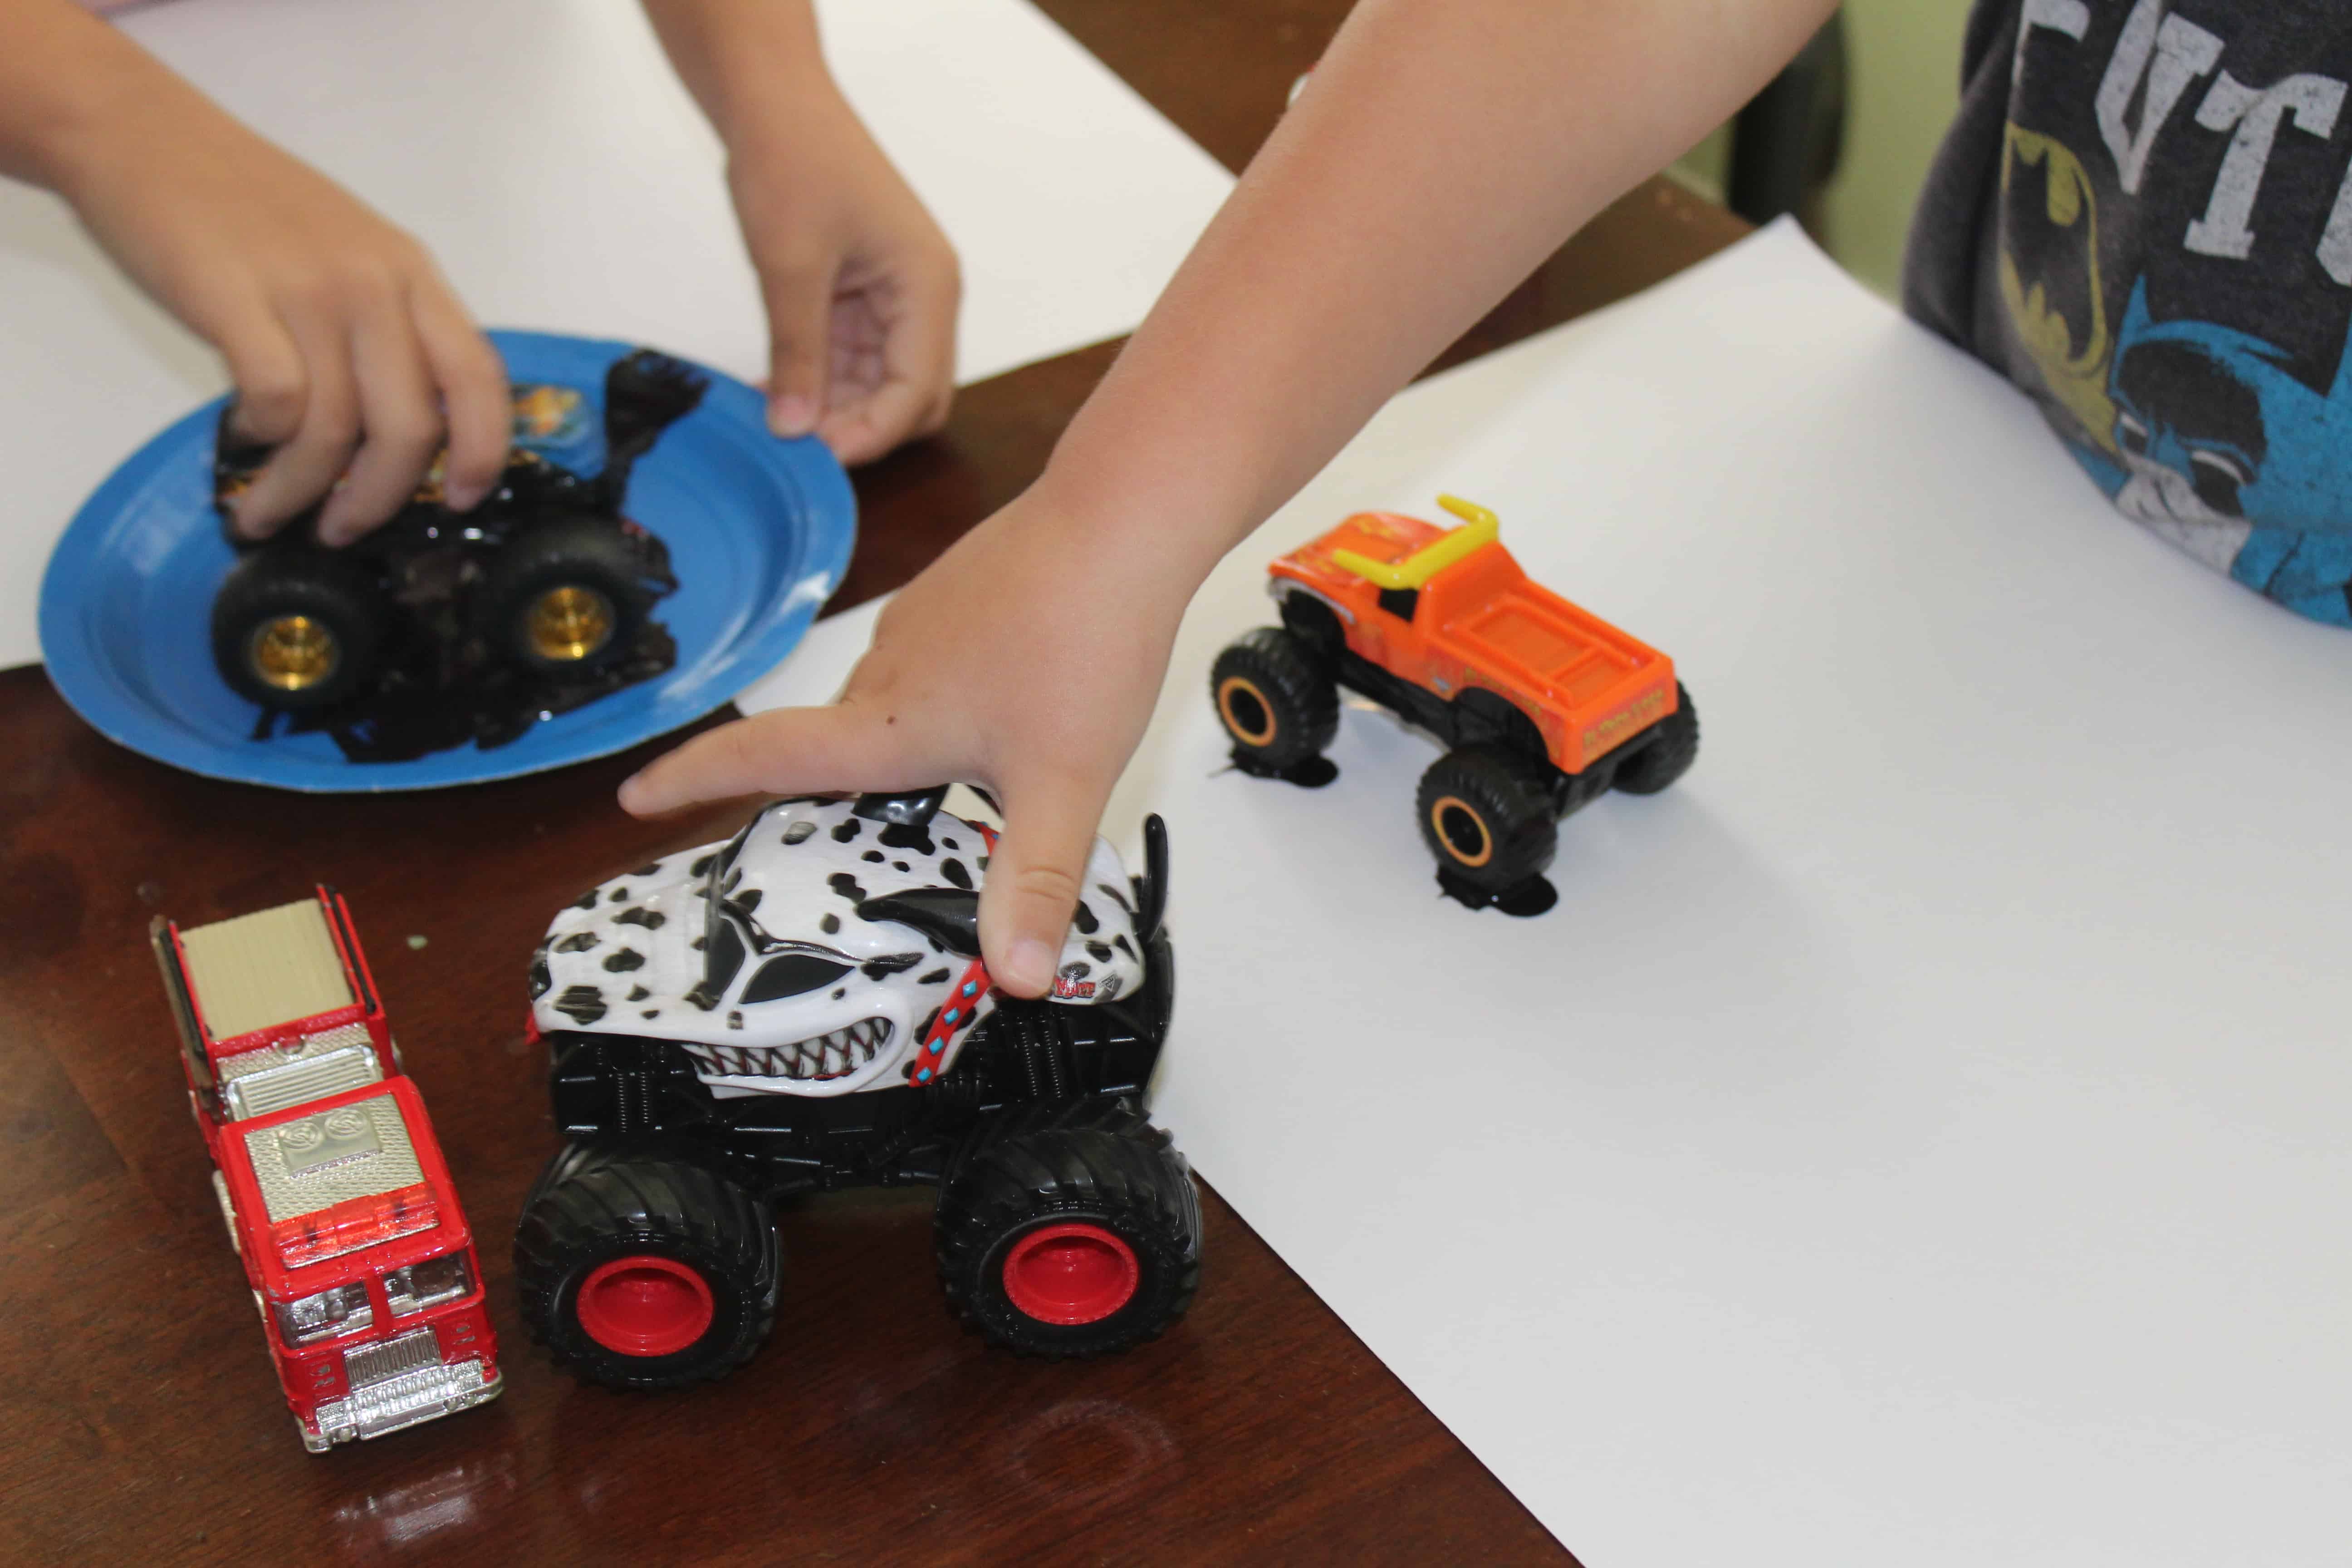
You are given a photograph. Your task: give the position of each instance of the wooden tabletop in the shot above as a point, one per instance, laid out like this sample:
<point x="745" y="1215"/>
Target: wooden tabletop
<point x="139" y="1419"/>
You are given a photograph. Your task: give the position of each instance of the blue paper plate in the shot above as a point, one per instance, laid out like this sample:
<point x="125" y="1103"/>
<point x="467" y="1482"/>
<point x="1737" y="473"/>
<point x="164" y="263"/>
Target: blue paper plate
<point x="759" y="531"/>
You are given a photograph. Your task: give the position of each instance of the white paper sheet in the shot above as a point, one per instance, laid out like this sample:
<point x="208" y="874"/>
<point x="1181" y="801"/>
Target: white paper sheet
<point x="547" y="156"/>
<point x="1917" y="1138"/>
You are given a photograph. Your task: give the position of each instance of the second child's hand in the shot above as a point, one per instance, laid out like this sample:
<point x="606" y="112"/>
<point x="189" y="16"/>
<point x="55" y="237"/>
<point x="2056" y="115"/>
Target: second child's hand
<point x="861" y="288"/>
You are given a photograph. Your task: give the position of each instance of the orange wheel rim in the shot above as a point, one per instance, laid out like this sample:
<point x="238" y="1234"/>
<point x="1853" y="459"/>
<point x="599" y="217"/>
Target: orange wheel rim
<point x="1248" y="716"/>
<point x="1461" y="830"/>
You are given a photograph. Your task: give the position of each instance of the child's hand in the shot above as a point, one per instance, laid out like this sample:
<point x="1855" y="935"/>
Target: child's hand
<point x="861" y="287"/>
<point x="1039" y="694"/>
<point x="349" y="352"/>
<point x="1446" y="148"/>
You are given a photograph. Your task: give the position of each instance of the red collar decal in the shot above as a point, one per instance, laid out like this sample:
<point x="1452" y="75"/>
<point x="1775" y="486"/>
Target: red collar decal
<point x="962" y="1003"/>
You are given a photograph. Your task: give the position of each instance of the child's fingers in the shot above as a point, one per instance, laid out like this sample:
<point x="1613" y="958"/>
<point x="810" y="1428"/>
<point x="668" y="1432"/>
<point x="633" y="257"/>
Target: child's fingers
<point x="271" y="388"/>
<point x="921" y="349"/>
<point x="798" y="293"/>
<point x="475" y="402"/>
<point x="309" y="464"/>
<point x="895" y="412"/>
<point x="402" y="420"/>
<point x="1033" y="876"/>
<point x="878" y="422"/>
<point x="786" y="751"/>
<point x="918" y="381"/>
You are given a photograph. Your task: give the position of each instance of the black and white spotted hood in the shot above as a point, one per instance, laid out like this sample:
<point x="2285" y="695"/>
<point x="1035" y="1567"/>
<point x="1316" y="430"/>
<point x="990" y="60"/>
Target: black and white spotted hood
<point x="788" y="988"/>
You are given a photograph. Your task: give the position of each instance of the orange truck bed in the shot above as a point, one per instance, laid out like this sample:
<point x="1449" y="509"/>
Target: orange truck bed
<point x="1452" y="611"/>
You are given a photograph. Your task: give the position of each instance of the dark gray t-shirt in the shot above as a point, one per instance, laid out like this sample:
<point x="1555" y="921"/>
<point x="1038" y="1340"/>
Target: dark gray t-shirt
<point x="2143" y="215"/>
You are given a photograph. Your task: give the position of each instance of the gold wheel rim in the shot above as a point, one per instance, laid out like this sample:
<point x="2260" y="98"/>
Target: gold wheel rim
<point x="569" y="623"/>
<point x="1235" y="685"/>
<point x="1454" y="803"/>
<point x="293" y="653"/>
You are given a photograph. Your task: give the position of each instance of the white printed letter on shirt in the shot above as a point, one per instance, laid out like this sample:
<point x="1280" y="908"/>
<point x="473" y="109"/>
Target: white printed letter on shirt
<point x="2314" y="100"/>
<point x="2182" y="52"/>
<point x="2071" y="18"/>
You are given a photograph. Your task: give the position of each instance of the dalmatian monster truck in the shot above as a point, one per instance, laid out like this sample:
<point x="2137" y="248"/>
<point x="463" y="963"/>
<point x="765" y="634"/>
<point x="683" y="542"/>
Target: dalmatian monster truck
<point x="804" y="1007"/>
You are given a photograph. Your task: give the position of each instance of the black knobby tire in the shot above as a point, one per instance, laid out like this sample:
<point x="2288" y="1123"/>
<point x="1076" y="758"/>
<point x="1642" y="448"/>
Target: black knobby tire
<point x="1276" y="699"/>
<point x="1316" y="625"/>
<point x="645" y="1272"/>
<point x="1487" y="816"/>
<point x="295" y="626"/>
<point x="567" y="597"/>
<point x="1069" y="1231"/>
<point x="1672" y="748"/>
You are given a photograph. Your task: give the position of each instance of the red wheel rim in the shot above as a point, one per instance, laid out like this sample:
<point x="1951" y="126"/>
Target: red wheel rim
<point x="1071" y="1274"/>
<point x="646" y="1305"/>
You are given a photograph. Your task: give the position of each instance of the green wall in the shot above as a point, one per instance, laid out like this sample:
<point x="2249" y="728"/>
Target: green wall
<point x="1904" y="61"/>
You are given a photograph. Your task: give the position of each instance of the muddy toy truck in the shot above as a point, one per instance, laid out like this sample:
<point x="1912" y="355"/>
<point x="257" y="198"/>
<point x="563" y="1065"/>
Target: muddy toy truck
<point x="327" y="1176"/>
<point x="545" y="586"/>
<point x="804" y="1007"/>
<point x="1543" y="707"/>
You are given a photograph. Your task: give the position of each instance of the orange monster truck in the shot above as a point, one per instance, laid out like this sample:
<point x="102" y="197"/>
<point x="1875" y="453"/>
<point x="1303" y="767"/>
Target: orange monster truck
<point x="1543" y="706"/>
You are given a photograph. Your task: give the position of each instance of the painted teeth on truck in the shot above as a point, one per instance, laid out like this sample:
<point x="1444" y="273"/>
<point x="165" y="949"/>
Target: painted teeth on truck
<point x="824" y="1057"/>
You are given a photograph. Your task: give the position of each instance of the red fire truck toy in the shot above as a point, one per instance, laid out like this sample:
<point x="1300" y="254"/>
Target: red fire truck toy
<point x="328" y="1175"/>
<point x="1546" y="707"/>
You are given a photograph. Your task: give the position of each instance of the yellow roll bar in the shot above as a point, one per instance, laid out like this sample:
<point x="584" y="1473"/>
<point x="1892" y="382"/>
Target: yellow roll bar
<point x="1479" y="529"/>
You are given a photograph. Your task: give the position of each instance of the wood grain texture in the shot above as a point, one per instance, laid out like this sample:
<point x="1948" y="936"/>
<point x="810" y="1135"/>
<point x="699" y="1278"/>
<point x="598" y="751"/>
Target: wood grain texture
<point x="139" y="1416"/>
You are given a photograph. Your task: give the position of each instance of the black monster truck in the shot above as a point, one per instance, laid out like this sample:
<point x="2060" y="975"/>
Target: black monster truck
<point x="804" y="1007"/>
<point x="543" y="588"/>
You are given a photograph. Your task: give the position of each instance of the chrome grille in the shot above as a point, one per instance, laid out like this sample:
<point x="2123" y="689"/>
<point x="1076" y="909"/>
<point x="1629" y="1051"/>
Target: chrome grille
<point x="254" y="1083"/>
<point x="403" y="1399"/>
<point x="390" y="1358"/>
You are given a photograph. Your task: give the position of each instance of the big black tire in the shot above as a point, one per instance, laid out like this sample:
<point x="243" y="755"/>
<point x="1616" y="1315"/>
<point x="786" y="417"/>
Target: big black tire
<point x="1672" y="748"/>
<point x="1276" y="699"/>
<point x="297" y="627"/>
<point x="1064" y="1232"/>
<point x="1314" y="624"/>
<point x="645" y="1273"/>
<point x="1487" y="816"/>
<point x="566" y="597"/>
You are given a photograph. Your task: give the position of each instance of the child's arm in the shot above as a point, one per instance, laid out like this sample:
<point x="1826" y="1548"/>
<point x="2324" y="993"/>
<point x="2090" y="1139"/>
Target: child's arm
<point x="345" y="343"/>
<point x="860" y="285"/>
<point x="1442" y="149"/>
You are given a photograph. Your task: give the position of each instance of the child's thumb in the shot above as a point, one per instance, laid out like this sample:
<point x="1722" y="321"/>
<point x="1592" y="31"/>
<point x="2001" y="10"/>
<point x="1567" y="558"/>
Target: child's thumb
<point x="1033" y="875"/>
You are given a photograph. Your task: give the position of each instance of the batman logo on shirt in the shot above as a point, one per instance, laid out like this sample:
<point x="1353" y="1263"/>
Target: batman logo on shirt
<point x="2049" y="281"/>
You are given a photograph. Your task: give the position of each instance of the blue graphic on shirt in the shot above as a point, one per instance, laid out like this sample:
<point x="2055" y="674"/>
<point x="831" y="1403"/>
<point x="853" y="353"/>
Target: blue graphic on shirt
<point x="2223" y="450"/>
